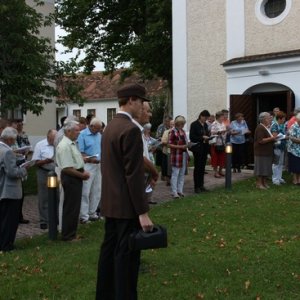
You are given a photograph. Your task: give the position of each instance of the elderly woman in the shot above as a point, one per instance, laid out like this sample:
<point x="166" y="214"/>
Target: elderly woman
<point x="263" y="150"/>
<point x="10" y="189"/>
<point x="278" y="129"/>
<point x="238" y="129"/>
<point x="179" y="156"/>
<point x="218" y="129"/>
<point x="294" y="150"/>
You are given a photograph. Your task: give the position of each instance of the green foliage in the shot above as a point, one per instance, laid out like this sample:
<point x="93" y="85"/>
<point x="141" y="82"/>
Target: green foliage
<point x="26" y="59"/>
<point x="158" y="110"/>
<point x="28" y="72"/>
<point x="118" y="32"/>
<point x="242" y="244"/>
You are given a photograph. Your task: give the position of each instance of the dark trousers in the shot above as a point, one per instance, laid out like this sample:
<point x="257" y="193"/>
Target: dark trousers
<point x="118" y="266"/>
<point x="158" y="157"/>
<point x="199" y="167"/>
<point x="164" y="165"/>
<point x="71" y="208"/>
<point x="9" y="220"/>
<point x="21" y="204"/>
<point x="238" y="155"/>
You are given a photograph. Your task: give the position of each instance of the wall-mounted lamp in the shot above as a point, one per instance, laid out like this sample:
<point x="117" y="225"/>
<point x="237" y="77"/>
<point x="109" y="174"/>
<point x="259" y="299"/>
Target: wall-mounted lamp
<point x="263" y="72"/>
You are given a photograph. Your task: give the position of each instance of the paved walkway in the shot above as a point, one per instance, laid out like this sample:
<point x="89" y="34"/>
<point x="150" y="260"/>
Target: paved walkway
<point x="162" y="193"/>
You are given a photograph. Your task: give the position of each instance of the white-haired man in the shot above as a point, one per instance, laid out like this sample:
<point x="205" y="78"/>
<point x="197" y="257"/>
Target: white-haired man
<point x="44" y="156"/>
<point x="70" y="161"/>
<point x="10" y="189"/>
<point x="89" y="144"/>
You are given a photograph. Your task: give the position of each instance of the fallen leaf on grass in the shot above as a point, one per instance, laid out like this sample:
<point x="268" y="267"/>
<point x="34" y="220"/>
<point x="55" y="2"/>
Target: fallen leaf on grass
<point x="279" y="242"/>
<point x="222" y="243"/>
<point x="200" y="296"/>
<point x="247" y="284"/>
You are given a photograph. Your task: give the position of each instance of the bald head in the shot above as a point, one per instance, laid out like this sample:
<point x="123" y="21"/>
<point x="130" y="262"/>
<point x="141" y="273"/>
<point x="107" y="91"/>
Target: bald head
<point x="51" y="136"/>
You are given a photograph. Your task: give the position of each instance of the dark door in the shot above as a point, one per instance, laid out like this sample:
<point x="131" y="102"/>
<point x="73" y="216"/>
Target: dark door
<point x="246" y="105"/>
<point x="285" y="100"/>
<point x="252" y="105"/>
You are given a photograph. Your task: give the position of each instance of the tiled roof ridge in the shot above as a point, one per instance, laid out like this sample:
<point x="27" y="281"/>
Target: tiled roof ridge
<point x="102" y="85"/>
<point x="262" y="57"/>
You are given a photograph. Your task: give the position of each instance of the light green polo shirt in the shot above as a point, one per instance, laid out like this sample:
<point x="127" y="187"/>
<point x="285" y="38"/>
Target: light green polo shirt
<point x="68" y="155"/>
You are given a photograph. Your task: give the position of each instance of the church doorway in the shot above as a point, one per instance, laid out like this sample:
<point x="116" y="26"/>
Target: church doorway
<point x="251" y="105"/>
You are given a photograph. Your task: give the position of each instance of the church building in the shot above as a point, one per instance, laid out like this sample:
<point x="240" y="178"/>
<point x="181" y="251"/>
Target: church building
<point x="242" y="55"/>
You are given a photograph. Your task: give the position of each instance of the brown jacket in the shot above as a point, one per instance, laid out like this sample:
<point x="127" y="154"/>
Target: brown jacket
<point x="262" y="149"/>
<point x="122" y="167"/>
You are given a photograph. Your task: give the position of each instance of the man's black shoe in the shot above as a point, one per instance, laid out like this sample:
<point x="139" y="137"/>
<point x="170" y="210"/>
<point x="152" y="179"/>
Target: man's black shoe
<point x="43" y="226"/>
<point x="198" y="190"/>
<point x="23" y="221"/>
<point x="203" y="189"/>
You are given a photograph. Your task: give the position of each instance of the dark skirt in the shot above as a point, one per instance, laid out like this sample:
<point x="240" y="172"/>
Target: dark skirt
<point x="294" y="163"/>
<point x="263" y="165"/>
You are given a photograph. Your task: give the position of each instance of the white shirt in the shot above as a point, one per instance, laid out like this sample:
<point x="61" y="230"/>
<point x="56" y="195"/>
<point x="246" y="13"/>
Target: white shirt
<point x="43" y="150"/>
<point x="145" y="143"/>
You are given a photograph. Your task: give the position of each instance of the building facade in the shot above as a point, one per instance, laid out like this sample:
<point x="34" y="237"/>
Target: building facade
<point x="242" y="55"/>
<point x="37" y="126"/>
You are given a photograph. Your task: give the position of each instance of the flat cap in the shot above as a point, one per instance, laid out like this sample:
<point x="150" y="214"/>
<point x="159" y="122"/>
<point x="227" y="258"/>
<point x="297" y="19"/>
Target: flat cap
<point x="131" y="90"/>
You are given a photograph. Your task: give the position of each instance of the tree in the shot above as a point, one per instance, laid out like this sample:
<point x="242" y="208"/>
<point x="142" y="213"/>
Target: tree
<point x="120" y="31"/>
<point x="26" y="58"/>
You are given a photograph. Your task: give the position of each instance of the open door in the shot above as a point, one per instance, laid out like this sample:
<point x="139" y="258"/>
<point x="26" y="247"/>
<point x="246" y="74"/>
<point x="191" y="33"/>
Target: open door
<point x="246" y="105"/>
<point x="290" y="104"/>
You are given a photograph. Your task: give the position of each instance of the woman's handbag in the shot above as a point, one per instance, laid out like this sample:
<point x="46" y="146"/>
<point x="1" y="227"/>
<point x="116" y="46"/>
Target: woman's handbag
<point x="220" y="148"/>
<point x="141" y="240"/>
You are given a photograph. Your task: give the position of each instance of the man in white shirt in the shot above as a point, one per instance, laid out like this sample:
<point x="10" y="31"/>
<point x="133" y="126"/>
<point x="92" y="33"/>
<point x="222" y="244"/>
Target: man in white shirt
<point x="151" y="172"/>
<point x="44" y="156"/>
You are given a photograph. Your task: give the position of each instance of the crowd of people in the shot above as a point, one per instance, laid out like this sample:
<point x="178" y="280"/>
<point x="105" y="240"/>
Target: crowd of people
<point x="110" y="172"/>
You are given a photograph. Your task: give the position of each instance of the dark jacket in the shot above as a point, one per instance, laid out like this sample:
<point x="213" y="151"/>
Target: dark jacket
<point x="122" y="166"/>
<point x="197" y="131"/>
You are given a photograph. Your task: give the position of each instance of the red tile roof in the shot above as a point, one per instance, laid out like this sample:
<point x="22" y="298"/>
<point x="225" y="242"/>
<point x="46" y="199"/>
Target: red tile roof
<point x="99" y="85"/>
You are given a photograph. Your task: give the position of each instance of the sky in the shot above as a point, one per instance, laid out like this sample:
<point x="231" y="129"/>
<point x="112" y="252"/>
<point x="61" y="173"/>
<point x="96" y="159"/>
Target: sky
<point x="65" y="57"/>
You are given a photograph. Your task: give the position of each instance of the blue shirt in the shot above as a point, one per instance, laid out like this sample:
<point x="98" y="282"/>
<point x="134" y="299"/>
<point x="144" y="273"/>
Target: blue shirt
<point x="241" y="128"/>
<point x="89" y="143"/>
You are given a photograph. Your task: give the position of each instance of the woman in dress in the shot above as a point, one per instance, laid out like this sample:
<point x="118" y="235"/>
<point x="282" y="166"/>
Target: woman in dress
<point x="294" y="150"/>
<point x="179" y="156"/>
<point x="218" y="129"/>
<point x="263" y="150"/>
<point x="238" y="129"/>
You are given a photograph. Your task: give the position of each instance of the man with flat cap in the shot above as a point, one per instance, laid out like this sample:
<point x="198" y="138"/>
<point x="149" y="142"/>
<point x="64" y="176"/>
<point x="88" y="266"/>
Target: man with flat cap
<point x="123" y="201"/>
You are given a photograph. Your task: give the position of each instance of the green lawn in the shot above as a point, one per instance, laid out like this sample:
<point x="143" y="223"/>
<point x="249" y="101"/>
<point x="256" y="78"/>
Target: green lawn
<point x="242" y="244"/>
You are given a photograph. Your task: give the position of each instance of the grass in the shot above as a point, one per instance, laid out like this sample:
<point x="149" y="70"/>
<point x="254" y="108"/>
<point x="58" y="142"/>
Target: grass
<point x="242" y="244"/>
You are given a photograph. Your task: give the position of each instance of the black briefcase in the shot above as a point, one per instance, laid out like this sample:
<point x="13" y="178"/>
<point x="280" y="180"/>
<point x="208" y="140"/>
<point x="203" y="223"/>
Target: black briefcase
<point x="141" y="240"/>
